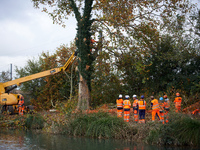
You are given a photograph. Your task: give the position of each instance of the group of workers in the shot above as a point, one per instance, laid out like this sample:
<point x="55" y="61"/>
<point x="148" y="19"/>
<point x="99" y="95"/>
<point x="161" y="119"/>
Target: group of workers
<point x="159" y="109"/>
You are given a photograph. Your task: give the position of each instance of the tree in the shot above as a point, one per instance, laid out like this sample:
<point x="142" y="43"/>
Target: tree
<point x="48" y="90"/>
<point x="34" y="86"/>
<point x="125" y="23"/>
<point x="4" y="77"/>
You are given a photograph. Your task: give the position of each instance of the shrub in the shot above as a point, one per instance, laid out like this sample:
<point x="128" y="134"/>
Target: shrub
<point x="35" y="121"/>
<point x="181" y="130"/>
<point x="101" y="125"/>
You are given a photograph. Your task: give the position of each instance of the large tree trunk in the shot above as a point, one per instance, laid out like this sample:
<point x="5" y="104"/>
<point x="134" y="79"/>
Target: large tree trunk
<point x="86" y="58"/>
<point x="83" y="95"/>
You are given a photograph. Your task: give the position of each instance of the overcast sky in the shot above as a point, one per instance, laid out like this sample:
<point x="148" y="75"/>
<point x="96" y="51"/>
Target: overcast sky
<point x="26" y="32"/>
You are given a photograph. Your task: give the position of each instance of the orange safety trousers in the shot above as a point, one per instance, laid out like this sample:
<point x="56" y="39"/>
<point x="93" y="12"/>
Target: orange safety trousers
<point x="21" y="110"/>
<point x="177" y="108"/>
<point x="119" y="112"/>
<point x="166" y="116"/>
<point x="154" y="114"/>
<point x="126" y="115"/>
<point x="135" y="115"/>
<point x="162" y="120"/>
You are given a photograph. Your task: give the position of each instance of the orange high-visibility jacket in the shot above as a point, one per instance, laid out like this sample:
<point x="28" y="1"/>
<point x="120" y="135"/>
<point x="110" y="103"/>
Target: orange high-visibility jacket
<point x="21" y="103"/>
<point x="135" y="103"/>
<point x="166" y="104"/>
<point x="161" y="108"/>
<point x="142" y="104"/>
<point x="178" y="101"/>
<point x="119" y="103"/>
<point x="127" y="104"/>
<point x="155" y="104"/>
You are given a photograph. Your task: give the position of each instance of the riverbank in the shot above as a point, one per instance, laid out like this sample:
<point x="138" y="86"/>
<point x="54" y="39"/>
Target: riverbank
<point x="182" y="130"/>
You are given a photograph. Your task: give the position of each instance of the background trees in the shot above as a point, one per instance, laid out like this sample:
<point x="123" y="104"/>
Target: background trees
<point x="46" y="91"/>
<point x="143" y="47"/>
<point x="125" y="24"/>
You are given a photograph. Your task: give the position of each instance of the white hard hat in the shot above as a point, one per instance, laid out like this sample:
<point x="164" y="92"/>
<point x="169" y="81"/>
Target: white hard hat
<point x="126" y="96"/>
<point x="135" y="96"/>
<point x="120" y="95"/>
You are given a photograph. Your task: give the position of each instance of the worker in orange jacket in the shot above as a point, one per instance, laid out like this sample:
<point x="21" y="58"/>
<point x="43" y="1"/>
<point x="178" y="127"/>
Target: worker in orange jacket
<point x="21" y="106"/>
<point x="127" y="106"/>
<point x="142" y="108"/>
<point x="119" y="102"/>
<point x="155" y="108"/>
<point x="162" y="111"/>
<point x="166" y="108"/>
<point x="177" y="102"/>
<point x="135" y="108"/>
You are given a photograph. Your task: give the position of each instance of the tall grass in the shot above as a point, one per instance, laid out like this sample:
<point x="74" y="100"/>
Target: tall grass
<point x="100" y="125"/>
<point x="187" y="131"/>
<point x="181" y="130"/>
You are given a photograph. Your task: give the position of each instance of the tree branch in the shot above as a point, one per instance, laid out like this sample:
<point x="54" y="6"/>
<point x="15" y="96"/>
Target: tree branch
<point x="88" y="9"/>
<point x="76" y="12"/>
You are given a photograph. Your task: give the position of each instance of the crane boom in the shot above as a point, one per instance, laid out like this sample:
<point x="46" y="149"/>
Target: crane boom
<point x="41" y="74"/>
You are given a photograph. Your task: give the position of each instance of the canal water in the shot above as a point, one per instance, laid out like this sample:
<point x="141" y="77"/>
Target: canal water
<point x="28" y="140"/>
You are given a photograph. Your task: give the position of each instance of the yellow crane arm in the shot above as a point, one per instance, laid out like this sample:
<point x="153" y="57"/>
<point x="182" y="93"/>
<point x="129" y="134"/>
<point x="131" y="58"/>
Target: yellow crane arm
<point x="42" y="74"/>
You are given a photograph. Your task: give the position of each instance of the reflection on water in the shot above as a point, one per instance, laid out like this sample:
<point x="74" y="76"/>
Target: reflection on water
<point x="21" y="140"/>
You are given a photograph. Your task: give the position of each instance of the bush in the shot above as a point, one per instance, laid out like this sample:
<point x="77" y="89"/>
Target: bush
<point x="187" y="131"/>
<point x="35" y="121"/>
<point x="181" y="130"/>
<point x="100" y="125"/>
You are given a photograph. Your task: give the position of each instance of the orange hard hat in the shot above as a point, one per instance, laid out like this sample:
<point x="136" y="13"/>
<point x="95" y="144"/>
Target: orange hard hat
<point x="165" y="96"/>
<point x="177" y="94"/>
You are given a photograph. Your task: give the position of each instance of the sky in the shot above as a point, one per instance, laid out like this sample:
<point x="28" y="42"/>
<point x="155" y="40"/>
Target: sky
<point x="26" y="32"/>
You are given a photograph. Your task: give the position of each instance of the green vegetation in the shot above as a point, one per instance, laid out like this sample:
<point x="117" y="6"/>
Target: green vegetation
<point x="34" y="121"/>
<point x="100" y="125"/>
<point x="181" y="130"/>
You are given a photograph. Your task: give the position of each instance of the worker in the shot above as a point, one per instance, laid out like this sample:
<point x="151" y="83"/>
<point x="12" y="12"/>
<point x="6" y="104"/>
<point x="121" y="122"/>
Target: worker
<point x="127" y="106"/>
<point x="119" y="102"/>
<point x="177" y="102"/>
<point x="135" y="108"/>
<point x="21" y="106"/>
<point x="161" y="110"/>
<point x="155" y="108"/>
<point x="142" y="108"/>
<point x="166" y="108"/>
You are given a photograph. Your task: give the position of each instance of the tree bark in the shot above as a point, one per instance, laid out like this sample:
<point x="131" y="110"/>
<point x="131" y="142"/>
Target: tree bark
<point x="83" y="95"/>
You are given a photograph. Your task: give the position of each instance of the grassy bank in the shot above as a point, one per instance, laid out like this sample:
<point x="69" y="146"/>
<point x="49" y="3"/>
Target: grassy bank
<point x="181" y="130"/>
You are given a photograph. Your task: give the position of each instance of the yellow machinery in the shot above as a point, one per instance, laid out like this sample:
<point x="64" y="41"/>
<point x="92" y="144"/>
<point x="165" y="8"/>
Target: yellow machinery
<point x="9" y="101"/>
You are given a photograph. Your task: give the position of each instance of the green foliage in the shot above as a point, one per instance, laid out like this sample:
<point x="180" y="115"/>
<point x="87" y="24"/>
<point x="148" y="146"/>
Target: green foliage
<point x="187" y="131"/>
<point x="50" y="89"/>
<point x="100" y="125"/>
<point x="181" y="130"/>
<point x="105" y="84"/>
<point x="32" y="87"/>
<point x="68" y="106"/>
<point x="35" y="121"/>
